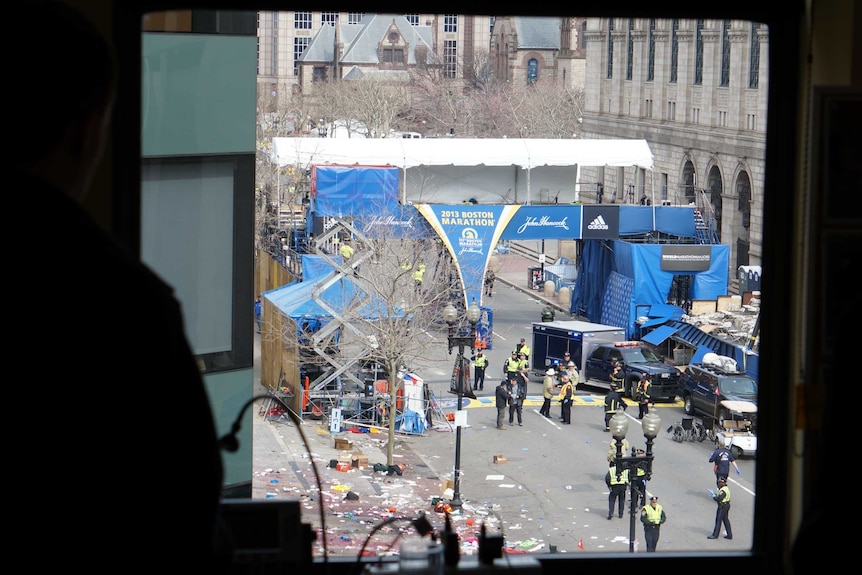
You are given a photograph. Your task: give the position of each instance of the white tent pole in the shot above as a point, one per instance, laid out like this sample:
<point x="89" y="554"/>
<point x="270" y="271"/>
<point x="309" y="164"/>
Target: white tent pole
<point x="577" y="183"/>
<point x="652" y="185"/>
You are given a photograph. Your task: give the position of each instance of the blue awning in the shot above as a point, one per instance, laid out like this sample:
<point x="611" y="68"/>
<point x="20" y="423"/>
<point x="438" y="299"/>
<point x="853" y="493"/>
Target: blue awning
<point x="660" y="334"/>
<point x="704" y="343"/>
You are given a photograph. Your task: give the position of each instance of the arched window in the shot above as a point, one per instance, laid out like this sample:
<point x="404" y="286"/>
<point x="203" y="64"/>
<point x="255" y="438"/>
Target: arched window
<point x="715" y="190"/>
<point x="532" y="71"/>
<point x="743" y="190"/>
<point x="688" y="181"/>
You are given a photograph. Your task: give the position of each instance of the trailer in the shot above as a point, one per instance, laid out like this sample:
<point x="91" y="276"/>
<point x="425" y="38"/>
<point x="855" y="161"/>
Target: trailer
<point x="551" y="339"/>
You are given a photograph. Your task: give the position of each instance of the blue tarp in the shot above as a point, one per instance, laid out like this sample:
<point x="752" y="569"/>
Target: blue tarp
<point x="410" y="422"/>
<point x="294" y="299"/>
<point x="596" y="265"/>
<point x="368" y="197"/>
<point x="659" y="334"/>
<point x="704" y="343"/>
<point x="616" y="307"/>
<point x="645" y="283"/>
<point x="350" y="191"/>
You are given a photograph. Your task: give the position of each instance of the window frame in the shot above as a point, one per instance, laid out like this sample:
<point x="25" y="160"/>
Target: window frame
<point x="771" y="544"/>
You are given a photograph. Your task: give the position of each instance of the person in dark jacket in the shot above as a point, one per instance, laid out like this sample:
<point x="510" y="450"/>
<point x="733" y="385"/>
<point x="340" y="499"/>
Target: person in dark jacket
<point x="516" y="403"/>
<point x="613" y="401"/>
<point x="567" y="391"/>
<point x="642" y="395"/>
<point x="722" y="458"/>
<point x="501" y="394"/>
<point x="143" y="510"/>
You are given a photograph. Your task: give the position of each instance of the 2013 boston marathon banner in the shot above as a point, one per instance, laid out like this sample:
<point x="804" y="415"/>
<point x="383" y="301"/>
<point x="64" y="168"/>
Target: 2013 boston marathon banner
<point x="470" y="232"/>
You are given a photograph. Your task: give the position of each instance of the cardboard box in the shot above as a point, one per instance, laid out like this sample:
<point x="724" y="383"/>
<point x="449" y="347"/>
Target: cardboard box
<point x="447" y="484"/>
<point x="500" y="459"/>
<point x="702" y="306"/>
<point x="343" y="443"/>
<point x="359" y="461"/>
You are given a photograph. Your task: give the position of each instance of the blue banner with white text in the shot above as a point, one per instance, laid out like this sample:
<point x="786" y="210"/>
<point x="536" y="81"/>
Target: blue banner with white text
<point x="544" y="223"/>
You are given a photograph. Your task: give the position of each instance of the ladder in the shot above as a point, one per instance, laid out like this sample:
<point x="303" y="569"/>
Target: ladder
<point x="704" y="231"/>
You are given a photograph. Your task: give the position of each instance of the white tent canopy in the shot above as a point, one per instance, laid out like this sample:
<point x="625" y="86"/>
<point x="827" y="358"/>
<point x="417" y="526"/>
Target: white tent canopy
<point x="451" y="170"/>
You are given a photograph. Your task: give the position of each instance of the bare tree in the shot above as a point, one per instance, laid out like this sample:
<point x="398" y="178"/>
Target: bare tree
<point x="551" y="110"/>
<point x="388" y="318"/>
<point x="371" y="106"/>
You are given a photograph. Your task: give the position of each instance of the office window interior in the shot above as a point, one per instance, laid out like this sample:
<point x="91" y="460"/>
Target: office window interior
<point x="677" y="176"/>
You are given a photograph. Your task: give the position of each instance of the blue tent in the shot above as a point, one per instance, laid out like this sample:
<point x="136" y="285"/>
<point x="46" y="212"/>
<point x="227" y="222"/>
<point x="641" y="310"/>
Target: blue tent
<point x="294" y="299"/>
<point x="617" y="278"/>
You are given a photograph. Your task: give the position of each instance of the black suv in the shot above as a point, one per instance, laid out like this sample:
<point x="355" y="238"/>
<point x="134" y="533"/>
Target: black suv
<point x="705" y="386"/>
<point x="636" y="359"/>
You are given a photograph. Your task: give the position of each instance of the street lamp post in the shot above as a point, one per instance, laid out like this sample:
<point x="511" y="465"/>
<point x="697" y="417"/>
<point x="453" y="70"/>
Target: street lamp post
<point x="450" y="316"/>
<point x="619" y="427"/>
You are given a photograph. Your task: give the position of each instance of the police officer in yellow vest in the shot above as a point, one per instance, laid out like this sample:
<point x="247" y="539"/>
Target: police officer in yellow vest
<point x="419" y="277"/>
<point x="722" y="512"/>
<point x="639" y="480"/>
<point x="480" y="362"/>
<point x="617" y="485"/>
<point x="346" y="250"/>
<point x="512" y="369"/>
<point x="522" y="347"/>
<point x="652" y="516"/>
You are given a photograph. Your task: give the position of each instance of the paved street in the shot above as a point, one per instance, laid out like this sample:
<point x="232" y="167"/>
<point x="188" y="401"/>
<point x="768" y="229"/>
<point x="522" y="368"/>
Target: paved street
<point x="548" y="495"/>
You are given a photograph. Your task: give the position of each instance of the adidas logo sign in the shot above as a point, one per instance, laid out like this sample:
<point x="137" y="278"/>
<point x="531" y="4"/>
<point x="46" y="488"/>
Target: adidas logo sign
<point x="598" y="224"/>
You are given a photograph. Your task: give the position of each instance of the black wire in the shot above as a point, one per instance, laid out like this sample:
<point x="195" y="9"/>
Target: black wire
<point x="231" y="438"/>
<point x="357" y="568"/>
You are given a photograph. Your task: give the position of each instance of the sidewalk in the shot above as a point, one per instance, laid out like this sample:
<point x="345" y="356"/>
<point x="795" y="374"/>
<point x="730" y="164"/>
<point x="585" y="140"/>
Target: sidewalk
<point x="512" y="269"/>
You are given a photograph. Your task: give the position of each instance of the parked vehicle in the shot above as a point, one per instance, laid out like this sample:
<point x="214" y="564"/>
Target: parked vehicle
<point x="552" y="339"/>
<point x="739" y="432"/>
<point x="636" y="358"/>
<point x="708" y="384"/>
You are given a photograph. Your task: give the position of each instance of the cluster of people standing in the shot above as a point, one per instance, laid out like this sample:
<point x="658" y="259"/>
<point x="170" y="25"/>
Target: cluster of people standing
<point x="559" y="382"/>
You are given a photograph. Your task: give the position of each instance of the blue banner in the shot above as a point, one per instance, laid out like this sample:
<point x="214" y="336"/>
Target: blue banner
<point x="546" y="222"/>
<point x="470" y="233"/>
<point x="485" y="329"/>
